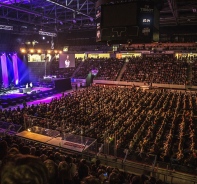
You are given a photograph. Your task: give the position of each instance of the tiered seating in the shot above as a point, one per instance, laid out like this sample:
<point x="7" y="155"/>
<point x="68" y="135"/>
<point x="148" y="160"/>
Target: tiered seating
<point x="194" y="71"/>
<point x="163" y="70"/>
<point x="109" y="69"/>
<point x="86" y="67"/>
<point x="144" y="122"/>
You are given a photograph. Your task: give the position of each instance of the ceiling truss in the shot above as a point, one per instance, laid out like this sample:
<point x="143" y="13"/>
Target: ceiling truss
<point x="64" y="15"/>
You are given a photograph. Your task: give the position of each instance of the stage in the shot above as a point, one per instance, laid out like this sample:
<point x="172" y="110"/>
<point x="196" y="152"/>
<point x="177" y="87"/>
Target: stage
<point x="18" y="96"/>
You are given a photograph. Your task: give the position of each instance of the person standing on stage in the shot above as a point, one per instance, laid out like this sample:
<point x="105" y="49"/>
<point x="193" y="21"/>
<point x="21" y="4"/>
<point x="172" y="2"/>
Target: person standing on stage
<point x="67" y="62"/>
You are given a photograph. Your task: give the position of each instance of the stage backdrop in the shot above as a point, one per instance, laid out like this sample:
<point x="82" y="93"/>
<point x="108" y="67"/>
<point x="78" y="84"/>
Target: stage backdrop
<point x="66" y="60"/>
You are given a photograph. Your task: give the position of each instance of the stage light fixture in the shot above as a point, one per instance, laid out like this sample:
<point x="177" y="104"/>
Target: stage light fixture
<point x="5" y="27"/>
<point x="16" y="82"/>
<point x="23" y="50"/>
<point x="32" y="50"/>
<point x="47" y="34"/>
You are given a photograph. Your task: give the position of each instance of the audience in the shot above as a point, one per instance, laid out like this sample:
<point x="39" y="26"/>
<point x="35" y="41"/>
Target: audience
<point x="87" y="66"/>
<point x="144" y="122"/>
<point x="19" y="169"/>
<point x="165" y="70"/>
<point x="109" y="69"/>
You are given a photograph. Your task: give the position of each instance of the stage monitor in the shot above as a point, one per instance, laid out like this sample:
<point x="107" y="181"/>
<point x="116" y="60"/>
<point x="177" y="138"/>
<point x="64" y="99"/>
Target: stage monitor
<point x="66" y="60"/>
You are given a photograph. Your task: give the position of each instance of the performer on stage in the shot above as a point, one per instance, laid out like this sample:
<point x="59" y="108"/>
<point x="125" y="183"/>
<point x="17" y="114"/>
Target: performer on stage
<point x="67" y="62"/>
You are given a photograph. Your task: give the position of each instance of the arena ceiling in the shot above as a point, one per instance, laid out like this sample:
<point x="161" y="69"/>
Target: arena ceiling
<point x="29" y="16"/>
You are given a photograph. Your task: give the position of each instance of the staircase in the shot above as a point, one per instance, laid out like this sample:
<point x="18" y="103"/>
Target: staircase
<point x="121" y="71"/>
<point x="189" y="75"/>
<point x="78" y="68"/>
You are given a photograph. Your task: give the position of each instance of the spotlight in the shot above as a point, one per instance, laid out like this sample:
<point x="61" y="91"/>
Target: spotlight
<point x="55" y="52"/>
<point x="23" y="50"/>
<point x="39" y="51"/>
<point x="60" y="52"/>
<point x="43" y="38"/>
<point x="16" y="82"/>
<point x="48" y="51"/>
<point x="32" y="50"/>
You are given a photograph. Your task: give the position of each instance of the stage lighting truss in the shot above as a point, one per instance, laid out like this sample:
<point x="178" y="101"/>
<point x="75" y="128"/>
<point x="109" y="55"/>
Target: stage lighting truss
<point x="5" y="27"/>
<point x="39" y="51"/>
<point x="47" y="34"/>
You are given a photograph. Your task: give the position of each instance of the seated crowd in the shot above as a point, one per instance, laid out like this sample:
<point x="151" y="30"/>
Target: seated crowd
<point x="23" y="161"/>
<point x="144" y="122"/>
<point x="194" y="72"/>
<point x="88" y="65"/>
<point x="163" y="70"/>
<point x="109" y="69"/>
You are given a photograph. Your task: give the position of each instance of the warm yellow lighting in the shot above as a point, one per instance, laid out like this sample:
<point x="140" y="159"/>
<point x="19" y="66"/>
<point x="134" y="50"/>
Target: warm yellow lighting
<point x="60" y="52"/>
<point x="32" y="50"/>
<point x="39" y="51"/>
<point x="55" y="52"/>
<point x="48" y="51"/>
<point x="23" y="50"/>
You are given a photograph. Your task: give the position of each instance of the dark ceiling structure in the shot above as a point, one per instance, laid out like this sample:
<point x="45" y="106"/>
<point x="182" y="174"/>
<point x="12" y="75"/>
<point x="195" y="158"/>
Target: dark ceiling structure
<point x="178" y="12"/>
<point x="63" y="15"/>
<point x="48" y="15"/>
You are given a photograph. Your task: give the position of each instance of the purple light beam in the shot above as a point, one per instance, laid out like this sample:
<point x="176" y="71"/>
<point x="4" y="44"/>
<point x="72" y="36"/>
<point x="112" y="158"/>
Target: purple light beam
<point x="4" y="70"/>
<point x="15" y="68"/>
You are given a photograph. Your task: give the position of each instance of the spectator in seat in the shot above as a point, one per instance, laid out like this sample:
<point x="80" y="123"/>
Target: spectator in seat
<point x="52" y="170"/>
<point x="22" y="169"/>
<point x="64" y="173"/>
<point x="90" y="180"/>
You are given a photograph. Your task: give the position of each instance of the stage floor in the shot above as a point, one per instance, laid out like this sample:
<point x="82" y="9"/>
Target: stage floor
<point x="11" y="94"/>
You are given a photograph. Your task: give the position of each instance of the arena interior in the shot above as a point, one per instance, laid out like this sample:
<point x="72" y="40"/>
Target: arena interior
<point x="98" y="92"/>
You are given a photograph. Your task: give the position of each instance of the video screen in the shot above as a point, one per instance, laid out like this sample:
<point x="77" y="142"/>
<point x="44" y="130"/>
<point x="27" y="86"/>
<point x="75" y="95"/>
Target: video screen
<point x="66" y="60"/>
